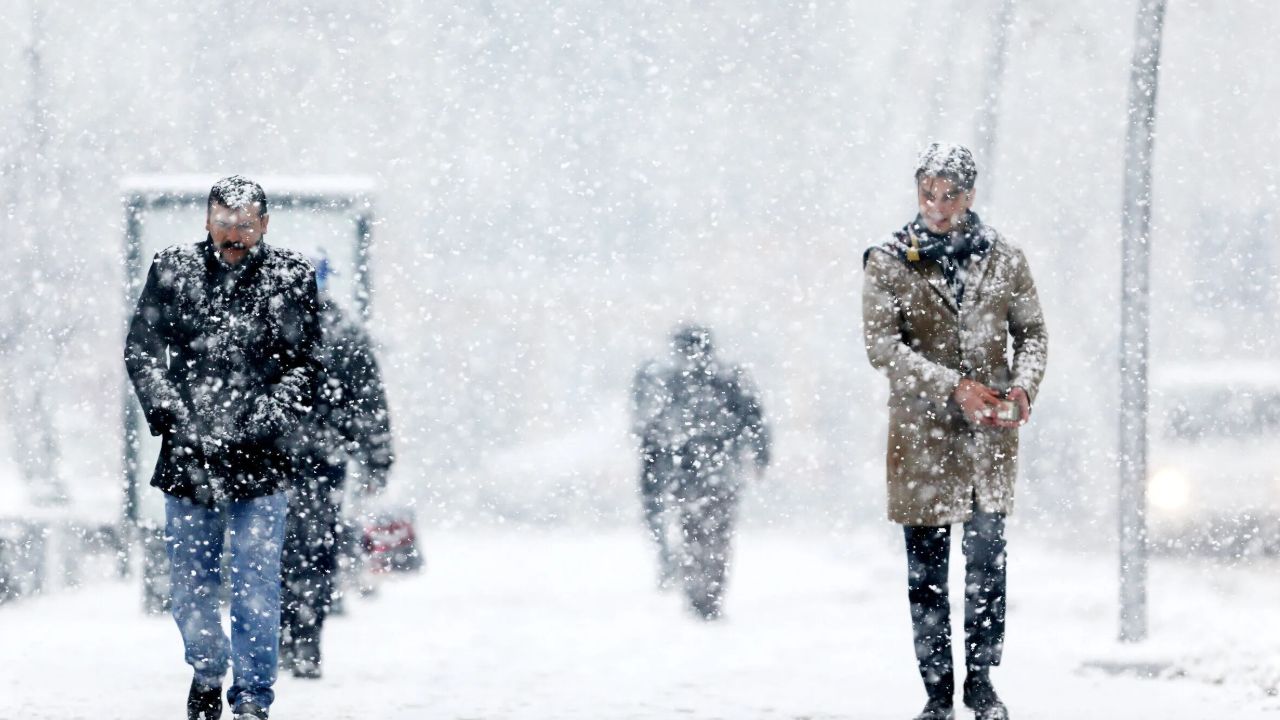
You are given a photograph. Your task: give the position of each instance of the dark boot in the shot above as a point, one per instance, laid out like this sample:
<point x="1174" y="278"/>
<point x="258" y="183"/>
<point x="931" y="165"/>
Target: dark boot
<point x="204" y="702"/>
<point x="306" y="655"/>
<point x="980" y="696"/>
<point x="707" y="608"/>
<point x="941" y="690"/>
<point x="937" y="710"/>
<point x="251" y="711"/>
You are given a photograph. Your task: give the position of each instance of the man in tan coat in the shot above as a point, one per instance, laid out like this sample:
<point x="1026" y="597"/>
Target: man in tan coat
<point x="941" y="301"/>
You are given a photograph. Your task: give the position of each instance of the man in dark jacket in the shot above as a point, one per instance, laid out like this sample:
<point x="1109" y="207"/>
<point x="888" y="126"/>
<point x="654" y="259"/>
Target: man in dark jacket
<point x="349" y="421"/>
<point x="944" y="300"/>
<point x="695" y="418"/>
<point x="222" y="354"/>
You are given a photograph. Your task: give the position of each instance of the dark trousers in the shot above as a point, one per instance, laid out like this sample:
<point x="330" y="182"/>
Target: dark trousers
<point x="984" y="598"/>
<point x="707" y="515"/>
<point x="656" y="480"/>
<point x="310" y="558"/>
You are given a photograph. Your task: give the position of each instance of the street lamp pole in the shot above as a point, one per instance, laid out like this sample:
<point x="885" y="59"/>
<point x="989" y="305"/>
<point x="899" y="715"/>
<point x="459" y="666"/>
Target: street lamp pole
<point x="1135" y="319"/>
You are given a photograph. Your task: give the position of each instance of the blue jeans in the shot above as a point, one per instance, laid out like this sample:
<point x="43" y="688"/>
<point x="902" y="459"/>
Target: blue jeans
<point x="254" y="530"/>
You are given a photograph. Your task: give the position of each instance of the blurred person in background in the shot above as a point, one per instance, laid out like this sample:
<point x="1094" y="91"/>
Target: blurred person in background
<point x="222" y="353"/>
<point x="942" y="300"/>
<point x="349" y="422"/>
<point x="695" y="419"/>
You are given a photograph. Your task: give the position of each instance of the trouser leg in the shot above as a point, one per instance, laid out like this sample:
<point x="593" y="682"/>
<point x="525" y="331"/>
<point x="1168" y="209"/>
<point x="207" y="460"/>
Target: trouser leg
<point x="984" y="606"/>
<point x="309" y="567"/>
<point x="927" y="561"/>
<point x="653" y="496"/>
<point x="707" y="523"/>
<point x="255" y="539"/>
<point x="193" y="539"/>
<point x="308" y="560"/>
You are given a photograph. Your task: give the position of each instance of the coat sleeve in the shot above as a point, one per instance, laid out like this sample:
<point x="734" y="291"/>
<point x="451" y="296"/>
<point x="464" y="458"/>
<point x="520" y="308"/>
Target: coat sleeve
<point x="649" y="398"/>
<point x="278" y="411"/>
<point x="1027" y="328"/>
<point x="146" y="351"/>
<point x="363" y="417"/>
<point x="908" y="370"/>
<point x="754" y="432"/>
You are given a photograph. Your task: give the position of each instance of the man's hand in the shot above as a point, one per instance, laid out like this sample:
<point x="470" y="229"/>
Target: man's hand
<point x="1019" y="396"/>
<point x="977" y="401"/>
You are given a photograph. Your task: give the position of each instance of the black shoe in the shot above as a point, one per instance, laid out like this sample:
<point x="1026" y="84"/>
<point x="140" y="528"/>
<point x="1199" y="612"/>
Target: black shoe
<point x="708" y="609"/>
<point x="306" y="668"/>
<point x="937" y="709"/>
<point x="306" y="657"/>
<point x="251" y="711"/>
<point x="980" y="696"/>
<point x="204" y="702"/>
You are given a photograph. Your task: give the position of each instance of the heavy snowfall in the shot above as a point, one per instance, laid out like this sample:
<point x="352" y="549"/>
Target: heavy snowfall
<point x="519" y="202"/>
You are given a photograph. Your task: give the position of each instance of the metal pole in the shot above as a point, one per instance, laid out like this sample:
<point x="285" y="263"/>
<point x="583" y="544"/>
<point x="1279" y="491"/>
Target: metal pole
<point x="1134" y="322"/>
<point x="129" y="414"/>
<point x="989" y="114"/>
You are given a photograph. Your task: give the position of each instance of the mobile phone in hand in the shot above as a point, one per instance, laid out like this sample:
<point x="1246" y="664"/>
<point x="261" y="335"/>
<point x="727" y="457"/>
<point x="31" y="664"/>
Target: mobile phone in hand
<point x="1008" y="411"/>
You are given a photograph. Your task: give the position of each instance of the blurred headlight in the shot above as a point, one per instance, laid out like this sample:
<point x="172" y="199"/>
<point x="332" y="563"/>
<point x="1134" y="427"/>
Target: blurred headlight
<point x="1169" y="490"/>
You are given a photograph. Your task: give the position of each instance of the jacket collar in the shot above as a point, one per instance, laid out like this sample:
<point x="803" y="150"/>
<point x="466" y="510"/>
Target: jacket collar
<point x="977" y="269"/>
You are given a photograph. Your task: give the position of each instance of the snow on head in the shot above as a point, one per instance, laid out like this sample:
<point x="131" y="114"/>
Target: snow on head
<point x="239" y="193"/>
<point x="948" y="160"/>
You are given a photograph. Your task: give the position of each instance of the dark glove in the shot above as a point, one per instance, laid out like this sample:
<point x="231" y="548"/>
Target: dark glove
<point x="264" y="419"/>
<point x="193" y="438"/>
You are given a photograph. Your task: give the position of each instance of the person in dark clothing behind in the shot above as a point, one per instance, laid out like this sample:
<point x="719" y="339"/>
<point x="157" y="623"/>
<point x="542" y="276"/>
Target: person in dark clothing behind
<point x="221" y="351"/>
<point x="650" y="397"/>
<point x="349" y="422"/>
<point x="695" y="418"/>
<point x="942" y="301"/>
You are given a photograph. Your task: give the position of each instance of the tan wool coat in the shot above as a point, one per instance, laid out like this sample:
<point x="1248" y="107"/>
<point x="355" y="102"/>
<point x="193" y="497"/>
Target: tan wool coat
<point x="938" y="463"/>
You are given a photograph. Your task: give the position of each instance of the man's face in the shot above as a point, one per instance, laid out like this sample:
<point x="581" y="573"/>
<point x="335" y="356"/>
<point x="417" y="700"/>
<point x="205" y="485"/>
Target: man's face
<point x="942" y="204"/>
<point x="689" y="352"/>
<point x="235" y="232"/>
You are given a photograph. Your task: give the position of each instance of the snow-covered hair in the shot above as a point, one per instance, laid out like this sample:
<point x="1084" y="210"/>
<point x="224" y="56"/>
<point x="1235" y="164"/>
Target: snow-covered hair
<point x="950" y="161"/>
<point x="238" y="193"/>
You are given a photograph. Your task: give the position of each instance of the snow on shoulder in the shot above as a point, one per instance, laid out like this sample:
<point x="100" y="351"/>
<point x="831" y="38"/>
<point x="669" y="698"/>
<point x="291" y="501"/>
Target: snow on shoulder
<point x="289" y="264"/>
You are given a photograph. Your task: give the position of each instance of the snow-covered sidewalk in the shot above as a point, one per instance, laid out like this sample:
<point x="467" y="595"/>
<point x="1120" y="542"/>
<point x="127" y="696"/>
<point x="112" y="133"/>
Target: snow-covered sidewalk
<point x="566" y="625"/>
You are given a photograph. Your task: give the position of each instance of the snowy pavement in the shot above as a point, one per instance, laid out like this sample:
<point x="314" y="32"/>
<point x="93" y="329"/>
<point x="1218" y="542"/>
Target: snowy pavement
<point x="535" y="624"/>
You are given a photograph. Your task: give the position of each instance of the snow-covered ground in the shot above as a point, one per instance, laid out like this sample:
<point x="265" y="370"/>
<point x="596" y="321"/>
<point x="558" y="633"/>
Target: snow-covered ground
<point x="566" y="625"/>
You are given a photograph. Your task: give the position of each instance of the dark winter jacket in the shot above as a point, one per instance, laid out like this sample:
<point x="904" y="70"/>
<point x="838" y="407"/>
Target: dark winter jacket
<point x="350" y="417"/>
<point x="707" y="415"/>
<point x="224" y="362"/>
